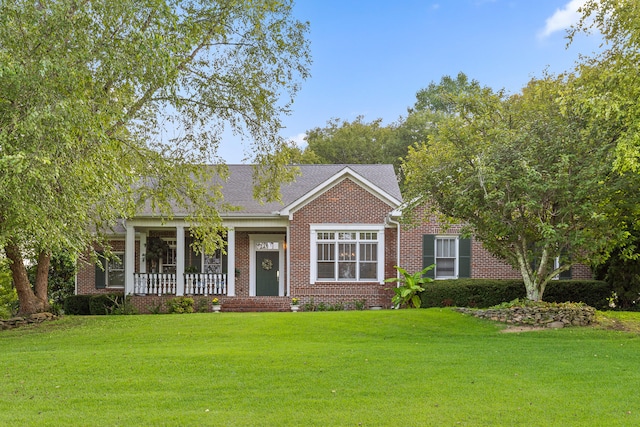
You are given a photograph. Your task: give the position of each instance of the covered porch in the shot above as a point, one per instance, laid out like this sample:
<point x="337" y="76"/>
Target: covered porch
<point x="172" y="267"/>
<point x="253" y="264"/>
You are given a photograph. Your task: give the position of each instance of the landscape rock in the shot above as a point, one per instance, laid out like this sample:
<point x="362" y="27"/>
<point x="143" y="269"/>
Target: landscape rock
<point x="550" y="316"/>
<point x="16" y="322"/>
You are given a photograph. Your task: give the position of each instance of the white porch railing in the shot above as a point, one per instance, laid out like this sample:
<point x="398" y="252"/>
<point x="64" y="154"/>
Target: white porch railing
<point x="165" y="284"/>
<point x="205" y="284"/>
<point x="154" y="283"/>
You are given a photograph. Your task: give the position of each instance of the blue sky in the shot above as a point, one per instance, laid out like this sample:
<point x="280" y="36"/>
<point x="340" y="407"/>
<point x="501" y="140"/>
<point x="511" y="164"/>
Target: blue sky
<point x="370" y="57"/>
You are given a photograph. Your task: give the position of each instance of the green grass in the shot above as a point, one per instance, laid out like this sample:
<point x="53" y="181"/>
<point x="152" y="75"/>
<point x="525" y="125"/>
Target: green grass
<point x="371" y="368"/>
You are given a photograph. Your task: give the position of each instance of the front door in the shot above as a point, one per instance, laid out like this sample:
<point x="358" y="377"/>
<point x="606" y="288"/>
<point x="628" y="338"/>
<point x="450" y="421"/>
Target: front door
<point x="267" y="273"/>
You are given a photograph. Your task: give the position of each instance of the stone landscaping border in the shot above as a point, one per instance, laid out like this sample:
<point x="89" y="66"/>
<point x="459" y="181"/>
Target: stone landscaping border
<point x="539" y="316"/>
<point x="16" y="322"/>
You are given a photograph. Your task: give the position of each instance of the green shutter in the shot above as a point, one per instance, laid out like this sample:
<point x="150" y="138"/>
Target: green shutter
<point x="464" y="258"/>
<point x="565" y="275"/>
<point x="428" y="253"/>
<point x="101" y="271"/>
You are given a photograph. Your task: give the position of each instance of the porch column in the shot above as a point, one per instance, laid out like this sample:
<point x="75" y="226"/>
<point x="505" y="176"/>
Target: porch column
<point x="180" y="260"/>
<point x="231" y="262"/>
<point x="129" y="259"/>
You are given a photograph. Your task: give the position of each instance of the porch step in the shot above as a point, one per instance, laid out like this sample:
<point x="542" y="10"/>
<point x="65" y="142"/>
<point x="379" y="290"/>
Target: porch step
<point x="252" y="304"/>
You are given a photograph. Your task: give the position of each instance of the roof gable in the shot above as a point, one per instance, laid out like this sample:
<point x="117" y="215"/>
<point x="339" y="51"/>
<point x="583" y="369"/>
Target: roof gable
<point x="347" y="172"/>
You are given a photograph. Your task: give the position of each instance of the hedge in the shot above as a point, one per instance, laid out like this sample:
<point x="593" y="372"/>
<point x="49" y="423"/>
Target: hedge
<point x="105" y="303"/>
<point x="484" y="293"/>
<point x="77" y="304"/>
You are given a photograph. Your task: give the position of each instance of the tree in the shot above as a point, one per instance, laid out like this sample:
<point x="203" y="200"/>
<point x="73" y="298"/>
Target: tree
<point x="356" y="142"/>
<point x="108" y="104"/>
<point x="525" y="174"/>
<point x="608" y="82"/>
<point x="61" y="281"/>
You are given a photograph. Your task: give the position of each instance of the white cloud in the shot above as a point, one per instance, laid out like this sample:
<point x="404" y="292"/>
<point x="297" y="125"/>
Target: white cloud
<point x="298" y="140"/>
<point x="562" y="19"/>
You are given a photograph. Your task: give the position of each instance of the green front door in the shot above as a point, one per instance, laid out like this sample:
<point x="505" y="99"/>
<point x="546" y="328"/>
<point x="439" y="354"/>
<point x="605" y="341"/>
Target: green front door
<point x="267" y="265"/>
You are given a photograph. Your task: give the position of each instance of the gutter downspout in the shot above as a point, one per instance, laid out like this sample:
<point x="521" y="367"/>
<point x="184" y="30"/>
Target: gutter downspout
<point x="397" y="224"/>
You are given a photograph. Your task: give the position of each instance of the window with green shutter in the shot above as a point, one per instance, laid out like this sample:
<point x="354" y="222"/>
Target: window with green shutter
<point x="428" y="253"/>
<point x="450" y="254"/>
<point x="101" y="271"/>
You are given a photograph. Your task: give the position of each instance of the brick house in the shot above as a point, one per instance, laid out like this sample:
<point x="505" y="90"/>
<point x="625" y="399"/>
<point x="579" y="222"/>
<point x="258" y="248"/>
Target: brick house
<point x="334" y="239"/>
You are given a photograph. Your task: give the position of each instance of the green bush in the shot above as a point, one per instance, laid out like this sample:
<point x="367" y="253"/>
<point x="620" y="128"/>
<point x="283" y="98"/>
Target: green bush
<point x="77" y="304"/>
<point x="479" y="293"/>
<point x="622" y="274"/>
<point x="591" y="292"/>
<point x="484" y="293"/>
<point x="8" y="295"/>
<point x="105" y="303"/>
<point x="180" y="305"/>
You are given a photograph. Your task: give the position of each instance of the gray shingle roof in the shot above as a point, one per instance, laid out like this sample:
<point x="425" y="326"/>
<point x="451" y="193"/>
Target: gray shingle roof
<point x="238" y="188"/>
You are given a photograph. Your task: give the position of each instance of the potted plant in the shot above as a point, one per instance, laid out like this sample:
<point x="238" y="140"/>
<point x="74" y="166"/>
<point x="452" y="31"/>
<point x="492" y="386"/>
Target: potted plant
<point x="156" y="248"/>
<point x="216" y="305"/>
<point x="295" y="304"/>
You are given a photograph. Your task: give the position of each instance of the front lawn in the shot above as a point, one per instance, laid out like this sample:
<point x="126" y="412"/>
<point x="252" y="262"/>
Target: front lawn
<point x="369" y="368"/>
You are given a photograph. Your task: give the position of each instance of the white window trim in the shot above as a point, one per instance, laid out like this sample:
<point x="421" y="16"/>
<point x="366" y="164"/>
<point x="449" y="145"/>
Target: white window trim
<point x="456" y="261"/>
<point x="120" y="255"/>
<point x="360" y="228"/>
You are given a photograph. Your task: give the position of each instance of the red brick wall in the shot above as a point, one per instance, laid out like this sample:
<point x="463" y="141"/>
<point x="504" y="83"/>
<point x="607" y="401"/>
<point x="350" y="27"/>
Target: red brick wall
<point x="483" y="264"/>
<point x="344" y="203"/>
<point x="87" y="271"/>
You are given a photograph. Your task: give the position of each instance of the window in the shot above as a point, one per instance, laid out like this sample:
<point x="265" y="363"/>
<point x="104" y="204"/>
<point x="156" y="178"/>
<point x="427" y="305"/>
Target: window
<point x="446" y="257"/>
<point x="169" y="257"/>
<point x="450" y="254"/>
<point x="213" y="263"/>
<point x="115" y="271"/>
<point x="347" y="255"/>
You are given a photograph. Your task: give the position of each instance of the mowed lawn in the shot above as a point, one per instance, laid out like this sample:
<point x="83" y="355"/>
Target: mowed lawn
<point x="370" y="368"/>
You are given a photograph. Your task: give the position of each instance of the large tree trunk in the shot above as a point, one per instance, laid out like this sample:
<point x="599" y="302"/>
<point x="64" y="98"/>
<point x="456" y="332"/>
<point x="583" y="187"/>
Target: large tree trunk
<point x="534" y="290"/>
<point x="30" y="301"/>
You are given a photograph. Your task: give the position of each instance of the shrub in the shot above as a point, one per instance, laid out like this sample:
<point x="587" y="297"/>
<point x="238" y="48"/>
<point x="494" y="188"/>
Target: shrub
<point x="407" y="293"/>
<point x="77" y="304"/>
<point x="203" y="305"/>
<point x="483" y="293"/>
<point x="180" y="305"/>
<point x="591" y="292"/>
<point x="622" y="274"/>
<point x="122" y="305"/>
<point x="471" y="292"/>
<point x="309" y="306"/>
<point x="8" y="295"/>
<point x="105" y="303"/>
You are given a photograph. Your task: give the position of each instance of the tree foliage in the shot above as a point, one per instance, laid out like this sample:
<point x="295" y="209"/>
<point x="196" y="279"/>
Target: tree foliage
<point x="525" y="173"/>
<point x="356" y="142"/>
<point x="609" y="80"/>
<point x="107" y="103"/>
